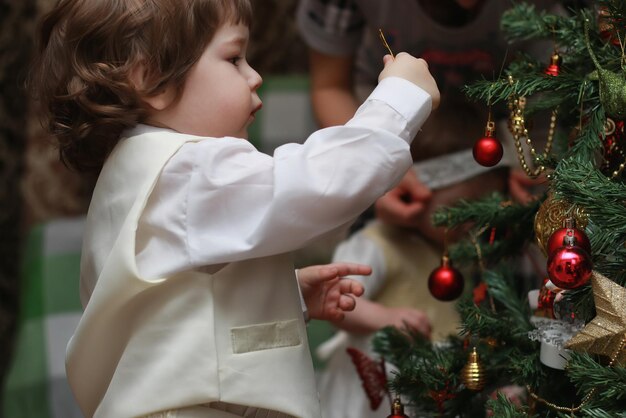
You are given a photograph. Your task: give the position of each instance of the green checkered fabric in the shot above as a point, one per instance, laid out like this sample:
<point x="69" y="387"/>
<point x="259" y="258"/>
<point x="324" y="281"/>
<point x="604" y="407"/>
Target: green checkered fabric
<point x="287" y="115"/>
<point x="36" y="386"/>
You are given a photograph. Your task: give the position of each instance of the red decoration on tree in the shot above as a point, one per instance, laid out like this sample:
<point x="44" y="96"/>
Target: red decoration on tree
<point x="545" y="301"/>
<point x="614" y="146"/>
<point x="555" y="65"/>
<point x="445" y="282"/>
<point x="608" y="26"/>
<point x="488" y="150"/>
<point x="570" y="266"/>
<point x="556" y="239"/>
<point x="441" y="396"/>
<point x="480" y="293"/>
<point x="372" y="375"/>
<point x="564" y="309"/>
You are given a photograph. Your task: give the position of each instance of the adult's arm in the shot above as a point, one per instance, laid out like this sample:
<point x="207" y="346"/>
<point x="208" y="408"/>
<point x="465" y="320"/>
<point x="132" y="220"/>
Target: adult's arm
<point x="331" y="88"/>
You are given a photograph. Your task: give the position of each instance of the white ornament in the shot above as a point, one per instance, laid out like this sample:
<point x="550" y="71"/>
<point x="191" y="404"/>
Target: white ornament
<point x="553" y="335"/>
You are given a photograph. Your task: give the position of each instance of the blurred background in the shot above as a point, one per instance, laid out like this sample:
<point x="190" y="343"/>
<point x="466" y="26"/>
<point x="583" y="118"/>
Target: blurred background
<point x="42" y="203"/>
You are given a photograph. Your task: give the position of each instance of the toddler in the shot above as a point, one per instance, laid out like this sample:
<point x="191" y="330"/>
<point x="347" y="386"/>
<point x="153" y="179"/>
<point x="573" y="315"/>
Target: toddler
<point x="192" y="307"/>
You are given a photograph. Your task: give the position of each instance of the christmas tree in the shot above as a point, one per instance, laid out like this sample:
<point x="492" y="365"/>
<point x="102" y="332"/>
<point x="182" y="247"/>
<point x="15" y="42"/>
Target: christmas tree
<point x="562" y="349"/>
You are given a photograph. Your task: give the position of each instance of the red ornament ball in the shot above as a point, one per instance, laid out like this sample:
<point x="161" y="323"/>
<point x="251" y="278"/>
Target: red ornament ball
<point x="569" y="267"/>
<point x="487" y="151"/>
<point x="556" y="240"/>
<point x="445" y="282"/>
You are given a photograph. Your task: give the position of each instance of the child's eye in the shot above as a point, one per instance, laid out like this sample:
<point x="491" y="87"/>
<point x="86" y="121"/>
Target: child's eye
<point x="235" y="60"/>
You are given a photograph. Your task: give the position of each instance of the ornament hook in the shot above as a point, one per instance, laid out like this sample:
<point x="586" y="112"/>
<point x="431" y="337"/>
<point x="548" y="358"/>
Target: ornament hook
<point x="384" y="40"/>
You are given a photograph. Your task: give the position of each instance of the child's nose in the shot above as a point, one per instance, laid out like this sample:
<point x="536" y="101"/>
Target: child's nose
<point x="255" y="79"/>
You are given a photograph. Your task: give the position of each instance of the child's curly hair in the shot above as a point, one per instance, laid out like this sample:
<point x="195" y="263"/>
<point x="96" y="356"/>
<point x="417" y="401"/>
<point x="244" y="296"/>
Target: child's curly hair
<point x="88" y="50"/>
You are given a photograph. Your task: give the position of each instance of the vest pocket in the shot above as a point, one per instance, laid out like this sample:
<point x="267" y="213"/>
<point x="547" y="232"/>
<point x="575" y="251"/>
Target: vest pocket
<point x="265" y="336"/>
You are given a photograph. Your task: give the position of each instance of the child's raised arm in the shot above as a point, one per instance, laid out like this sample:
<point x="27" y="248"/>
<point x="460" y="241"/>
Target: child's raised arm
<point x="369" y="316"/>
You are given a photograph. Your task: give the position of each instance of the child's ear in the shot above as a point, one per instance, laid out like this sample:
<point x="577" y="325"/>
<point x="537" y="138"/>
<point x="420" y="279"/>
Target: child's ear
<point x="159" y="101"/>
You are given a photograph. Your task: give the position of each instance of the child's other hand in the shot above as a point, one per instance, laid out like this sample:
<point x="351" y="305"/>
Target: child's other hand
<point x="327" y="292"/>
<point x="409" y="319"/>
<point x="414" y="70"/>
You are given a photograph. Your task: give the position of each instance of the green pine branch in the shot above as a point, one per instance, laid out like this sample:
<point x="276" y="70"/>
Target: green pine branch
<point x="589" y="374"/>
<point x="513" y="225"/>
<point x="504" y="408"/>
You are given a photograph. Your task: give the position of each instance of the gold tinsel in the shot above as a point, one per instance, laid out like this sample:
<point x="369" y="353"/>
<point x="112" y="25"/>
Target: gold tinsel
<point x="605" y="334"/>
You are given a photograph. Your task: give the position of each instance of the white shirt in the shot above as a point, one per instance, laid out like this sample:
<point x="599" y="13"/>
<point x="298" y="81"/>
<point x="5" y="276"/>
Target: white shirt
<point x="221" y="200"/>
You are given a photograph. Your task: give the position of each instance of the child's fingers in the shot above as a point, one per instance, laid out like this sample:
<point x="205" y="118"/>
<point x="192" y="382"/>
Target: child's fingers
<point x="327" y="273"/>
<point x="349" y="286"/>
<point x="313" y="275"/>
<point x="422" y="328"/>
<point x="419" y="322"/>
<point x="346" y="303"/>
<point x="350" y="269"/>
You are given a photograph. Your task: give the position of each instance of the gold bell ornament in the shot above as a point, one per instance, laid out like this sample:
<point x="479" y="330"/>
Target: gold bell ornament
<point x="472" y="374"/>
<point x="397" y="409"/>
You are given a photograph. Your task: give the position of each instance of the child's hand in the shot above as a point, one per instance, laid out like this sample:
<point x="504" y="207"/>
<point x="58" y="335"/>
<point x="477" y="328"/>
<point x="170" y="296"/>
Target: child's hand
<point x="409" y="319"/>
<point x="326" y="291"/>
<point x="414" y="70"/>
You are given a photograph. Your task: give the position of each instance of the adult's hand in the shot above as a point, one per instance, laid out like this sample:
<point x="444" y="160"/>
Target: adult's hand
<point x="520" y="186"/>
<point x="403" y="204"/>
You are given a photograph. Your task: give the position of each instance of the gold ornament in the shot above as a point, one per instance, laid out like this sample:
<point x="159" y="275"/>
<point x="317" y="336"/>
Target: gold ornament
<point x="551" y="216"/>
<point x="606" y="333"/>
<point x="517" y="127"/>
<point x="397" y="409"/>
<point x="472" y="374"/>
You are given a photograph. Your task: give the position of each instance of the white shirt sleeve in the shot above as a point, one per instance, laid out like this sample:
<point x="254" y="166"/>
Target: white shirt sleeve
<point x="219" y="200"/>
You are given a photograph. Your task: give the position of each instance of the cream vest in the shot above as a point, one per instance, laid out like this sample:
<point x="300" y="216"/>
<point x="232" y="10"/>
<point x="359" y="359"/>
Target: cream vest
<point x="232" y="333"/>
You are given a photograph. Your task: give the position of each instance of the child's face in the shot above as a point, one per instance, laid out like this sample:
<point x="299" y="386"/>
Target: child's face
<point x="219" y="97"/>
